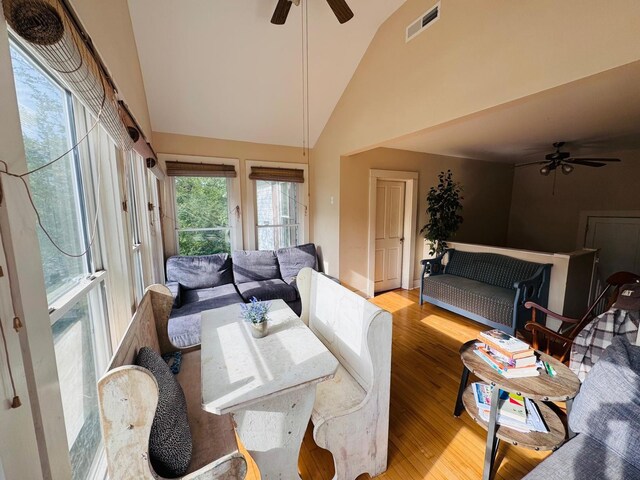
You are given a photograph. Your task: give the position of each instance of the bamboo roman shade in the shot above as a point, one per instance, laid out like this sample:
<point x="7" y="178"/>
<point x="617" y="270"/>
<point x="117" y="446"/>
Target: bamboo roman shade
<point x="50" y="29"/>
<point x="185" y="169"/>
<point x="277" y="174"/>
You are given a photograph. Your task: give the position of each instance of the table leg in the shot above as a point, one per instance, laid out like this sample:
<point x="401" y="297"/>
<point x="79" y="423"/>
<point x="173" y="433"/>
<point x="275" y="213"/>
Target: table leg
<point x="489" y="454"/>
<point x="569" y="405"/>
<point x="272" y="431"/>
<point x="463" y="385"/>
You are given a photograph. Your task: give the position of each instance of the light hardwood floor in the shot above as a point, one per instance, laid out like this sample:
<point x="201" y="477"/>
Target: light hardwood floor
<point x="425" y="440"/>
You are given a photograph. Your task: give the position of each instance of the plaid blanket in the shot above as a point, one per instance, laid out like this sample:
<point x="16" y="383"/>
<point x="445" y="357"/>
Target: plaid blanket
<point x="597" y="335"/>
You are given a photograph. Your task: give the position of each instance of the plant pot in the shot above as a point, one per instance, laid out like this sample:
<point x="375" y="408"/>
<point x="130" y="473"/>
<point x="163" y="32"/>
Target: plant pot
<point x="259" y="330"/>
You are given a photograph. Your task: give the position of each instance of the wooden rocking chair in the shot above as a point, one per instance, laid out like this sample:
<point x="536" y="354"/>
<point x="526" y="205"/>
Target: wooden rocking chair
<point x="558" y="343"/>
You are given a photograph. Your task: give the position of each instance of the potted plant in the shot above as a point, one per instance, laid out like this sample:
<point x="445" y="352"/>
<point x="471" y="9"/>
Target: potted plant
<point x="443" y="207"/>
<point x="255" y="312"/>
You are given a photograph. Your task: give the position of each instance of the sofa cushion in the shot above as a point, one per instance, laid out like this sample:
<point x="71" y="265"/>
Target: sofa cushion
<point x="607" y="409"/>
<point x="201" y="271"/>
<point x="170" y="443"/>
<point x="488" y="301"/>
<point x="255" y="265"/>
<point x="583" y="458"/>
<point x="226" y="295"/>
<point x="268" y="290"/>
<point x="494" y="269"/>
<point x="184" y="322"/>
<point x="294" y="259"/>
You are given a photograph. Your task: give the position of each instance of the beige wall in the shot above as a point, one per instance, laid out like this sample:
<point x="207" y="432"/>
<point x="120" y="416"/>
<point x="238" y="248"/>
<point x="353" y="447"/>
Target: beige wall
<point x="169" y="143"/>
<point x="487" y="193"/>
<point x="109" y="26"/>
<point x="544" y="221"/>
<point x="478" y="55"/>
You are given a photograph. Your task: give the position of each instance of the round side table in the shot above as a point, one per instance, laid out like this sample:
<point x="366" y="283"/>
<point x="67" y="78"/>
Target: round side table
<point x="562" y="387"/>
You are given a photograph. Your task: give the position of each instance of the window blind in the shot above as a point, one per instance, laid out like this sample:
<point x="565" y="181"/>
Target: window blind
<point x="185" y="169"/>
<point x="272" y="174"/>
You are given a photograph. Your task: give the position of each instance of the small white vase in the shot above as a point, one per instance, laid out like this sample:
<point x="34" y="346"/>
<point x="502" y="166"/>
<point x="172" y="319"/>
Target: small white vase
<point x="259" y="330"/>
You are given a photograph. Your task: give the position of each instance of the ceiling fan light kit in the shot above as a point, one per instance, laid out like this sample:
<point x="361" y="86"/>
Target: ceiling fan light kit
<point x="566" y="168"/>
<point x="565" y="162"/>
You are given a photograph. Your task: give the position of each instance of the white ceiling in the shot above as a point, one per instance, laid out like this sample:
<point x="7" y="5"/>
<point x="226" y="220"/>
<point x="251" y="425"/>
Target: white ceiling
<point x="220" y="69"/>
<point x="596" y="116"/>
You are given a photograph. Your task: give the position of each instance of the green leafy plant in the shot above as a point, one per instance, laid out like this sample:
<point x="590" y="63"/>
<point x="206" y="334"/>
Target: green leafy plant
<point x="443" y="208"/>
<point x="256" y="311"/>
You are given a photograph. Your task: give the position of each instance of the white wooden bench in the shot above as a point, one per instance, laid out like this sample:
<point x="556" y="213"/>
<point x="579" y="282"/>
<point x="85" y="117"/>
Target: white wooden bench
<point x="351" y="411"/>
<point x="128" y="396"/>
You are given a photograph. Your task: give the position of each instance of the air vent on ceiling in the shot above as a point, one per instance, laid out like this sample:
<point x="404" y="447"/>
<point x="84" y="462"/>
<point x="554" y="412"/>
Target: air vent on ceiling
<point x="426" y="20"/>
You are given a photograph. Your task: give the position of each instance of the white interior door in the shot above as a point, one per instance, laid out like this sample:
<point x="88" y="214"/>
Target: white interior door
<point x="618" y="239"/>
<point x="389" y="234"/>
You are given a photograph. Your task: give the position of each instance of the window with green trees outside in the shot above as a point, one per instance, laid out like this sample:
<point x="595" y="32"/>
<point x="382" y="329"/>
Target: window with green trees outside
<point x="202" y="215"/>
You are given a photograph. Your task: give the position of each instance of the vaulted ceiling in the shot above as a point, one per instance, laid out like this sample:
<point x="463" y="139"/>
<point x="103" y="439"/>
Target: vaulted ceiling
<point x="220" y="69"/>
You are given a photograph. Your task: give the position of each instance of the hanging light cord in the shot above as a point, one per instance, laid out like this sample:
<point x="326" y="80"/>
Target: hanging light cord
<point x="305" y="78"/>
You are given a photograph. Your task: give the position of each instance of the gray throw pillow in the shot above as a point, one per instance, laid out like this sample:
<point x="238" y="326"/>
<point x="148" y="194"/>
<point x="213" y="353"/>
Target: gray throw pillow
<point x="294" y="259"/>
<point x="607" y="408"/>
<point x="170" y="442"/>
<point x="255" y="266"/>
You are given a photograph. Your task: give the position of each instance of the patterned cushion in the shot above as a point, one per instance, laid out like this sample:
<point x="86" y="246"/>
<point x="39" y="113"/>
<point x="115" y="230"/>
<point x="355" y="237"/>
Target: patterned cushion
<point x="294" y="259"/>
<point x="170" y="443"/>
<point x="499" y="270"/>
<point x="202" y="271"/>
<point x="255" y="265"/>
<point x="488" y="301"/>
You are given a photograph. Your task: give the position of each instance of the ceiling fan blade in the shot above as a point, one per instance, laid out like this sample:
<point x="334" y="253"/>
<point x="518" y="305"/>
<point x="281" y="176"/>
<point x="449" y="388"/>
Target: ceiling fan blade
<point x="281" y="12"/>
<point x="585" y="162"/>
<point x="530" y="163"/>
<point x="341" y="10"/>
<point x="596" y="159"/>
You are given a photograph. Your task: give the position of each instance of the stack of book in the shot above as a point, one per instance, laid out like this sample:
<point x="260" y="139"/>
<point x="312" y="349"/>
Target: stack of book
<point x="514" y="411"/>
<point x="507" y="355"/>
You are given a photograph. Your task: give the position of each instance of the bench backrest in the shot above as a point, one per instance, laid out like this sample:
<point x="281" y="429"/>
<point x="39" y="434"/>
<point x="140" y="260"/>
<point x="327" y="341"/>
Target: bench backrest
<point x="143" y="330"/>
<point x="126" y="426"/>
<point x="350" y="327"/>
<point x="492" y="268"/>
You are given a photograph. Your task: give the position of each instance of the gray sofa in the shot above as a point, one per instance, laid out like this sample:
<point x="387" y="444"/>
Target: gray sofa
<point x="606" y="416"/>
<point x="205" y="282"/>
<point x="485" y="287"/>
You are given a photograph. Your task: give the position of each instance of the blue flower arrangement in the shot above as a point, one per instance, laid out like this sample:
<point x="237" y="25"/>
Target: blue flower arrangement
<point x="255" y="311"/>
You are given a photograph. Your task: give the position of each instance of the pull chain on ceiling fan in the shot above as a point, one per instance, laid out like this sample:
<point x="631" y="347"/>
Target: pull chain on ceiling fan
<point x="340" y="8"/>
<point x="565" y="162"/>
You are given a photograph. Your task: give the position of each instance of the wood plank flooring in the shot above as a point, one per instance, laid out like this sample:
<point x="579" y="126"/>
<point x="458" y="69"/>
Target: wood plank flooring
<point x="425" y="440"/>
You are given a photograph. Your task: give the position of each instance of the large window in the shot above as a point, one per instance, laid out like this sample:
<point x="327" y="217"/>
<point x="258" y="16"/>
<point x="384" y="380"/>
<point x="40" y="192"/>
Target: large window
<point x="278" y="223"/>
<point x="136" y="217"/>
<point x="202" y="215"/>
<point x="65" y="195"/>
<point x="277" y="195"/>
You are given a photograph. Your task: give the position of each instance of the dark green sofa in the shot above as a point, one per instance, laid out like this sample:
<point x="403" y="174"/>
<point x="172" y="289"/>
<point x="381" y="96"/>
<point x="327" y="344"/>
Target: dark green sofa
<point x="485" y="287"/>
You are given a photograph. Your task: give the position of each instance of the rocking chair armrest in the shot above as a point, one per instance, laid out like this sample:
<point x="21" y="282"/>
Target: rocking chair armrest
<point x="537" y="327"/>
<point x="535" y="306"/>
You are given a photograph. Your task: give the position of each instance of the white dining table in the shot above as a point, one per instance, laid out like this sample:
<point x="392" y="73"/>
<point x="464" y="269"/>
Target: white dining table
<point x="268" y="385"/>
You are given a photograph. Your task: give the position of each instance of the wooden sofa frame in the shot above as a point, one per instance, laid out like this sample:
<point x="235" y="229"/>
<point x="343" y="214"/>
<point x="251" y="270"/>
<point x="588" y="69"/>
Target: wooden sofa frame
<point x="128" y="397"/>
<point x="351" y="411"/>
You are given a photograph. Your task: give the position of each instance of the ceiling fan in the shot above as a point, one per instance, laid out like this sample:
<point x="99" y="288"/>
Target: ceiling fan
<point x="565" y="162"/>
<point x="339" y="7"/>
